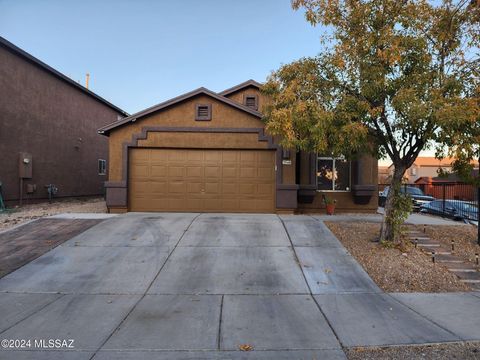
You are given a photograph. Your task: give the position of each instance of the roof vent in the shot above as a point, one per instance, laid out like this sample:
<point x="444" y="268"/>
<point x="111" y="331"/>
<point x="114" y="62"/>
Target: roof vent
<point x="203" y="112"/>
<point x="251" y="101"/>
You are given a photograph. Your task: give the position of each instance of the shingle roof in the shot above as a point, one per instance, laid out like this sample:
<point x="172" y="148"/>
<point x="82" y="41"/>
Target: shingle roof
<point x="241" y="86"/>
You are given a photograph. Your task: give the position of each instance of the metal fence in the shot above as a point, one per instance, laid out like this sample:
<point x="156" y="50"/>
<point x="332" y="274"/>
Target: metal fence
<point x="447" y="199"/>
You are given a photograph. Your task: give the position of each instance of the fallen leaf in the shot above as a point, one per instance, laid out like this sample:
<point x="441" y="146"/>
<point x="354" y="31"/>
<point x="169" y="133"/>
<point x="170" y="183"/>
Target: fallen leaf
<point x="245" y="347"/>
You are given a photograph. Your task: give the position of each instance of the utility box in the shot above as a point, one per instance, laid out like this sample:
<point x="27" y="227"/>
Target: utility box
<point x="31" y="188"/>
<point x="25" y="166"/>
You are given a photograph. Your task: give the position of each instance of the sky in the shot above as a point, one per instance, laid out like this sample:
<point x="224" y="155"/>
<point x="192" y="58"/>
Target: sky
<point x="140" y="53"/>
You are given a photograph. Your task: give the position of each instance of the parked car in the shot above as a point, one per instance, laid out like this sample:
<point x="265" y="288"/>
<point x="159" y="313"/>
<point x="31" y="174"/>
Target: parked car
<point x="453" y="209"/>
<point x="417" y="196"/>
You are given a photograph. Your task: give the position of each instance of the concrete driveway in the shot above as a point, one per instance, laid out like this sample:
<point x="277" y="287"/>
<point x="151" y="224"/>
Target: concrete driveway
<point x="198" y="286"/>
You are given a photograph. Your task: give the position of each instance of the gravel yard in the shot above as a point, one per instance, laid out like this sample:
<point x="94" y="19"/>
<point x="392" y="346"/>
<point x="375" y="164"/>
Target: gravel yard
<point x="465" y="238"/>
<point x="462" y="351"/>
<point x="399" y="269"/>
<point x="17" y="216"/>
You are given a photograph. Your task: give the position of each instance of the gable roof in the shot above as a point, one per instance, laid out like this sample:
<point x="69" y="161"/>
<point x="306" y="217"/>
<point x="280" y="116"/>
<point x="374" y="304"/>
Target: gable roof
<point x="241" y="86"/>
<point x="200" y="91"/>
<point x="33" y="60"/>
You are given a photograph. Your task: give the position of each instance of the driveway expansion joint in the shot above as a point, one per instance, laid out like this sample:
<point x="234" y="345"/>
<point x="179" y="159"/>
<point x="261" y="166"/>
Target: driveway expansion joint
<point x="308" y="285"/>
<point x="146" y="291"/>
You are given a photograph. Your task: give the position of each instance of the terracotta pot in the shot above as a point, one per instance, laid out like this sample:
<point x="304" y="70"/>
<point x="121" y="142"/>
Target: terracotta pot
<point x="330" y="209"/>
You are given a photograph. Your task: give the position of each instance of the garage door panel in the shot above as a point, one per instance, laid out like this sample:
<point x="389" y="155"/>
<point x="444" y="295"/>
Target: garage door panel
<point x="246" y="204"/>
<point x="230" y="156"/>
<point x="212" y="156"/>
<point x="264" y="173"/>
<point x="157" y="187"/>
<point x="264" y="189"/>
<point x="189" y="204"/>
<point x="195" y="171"/>
<point x="212" y="188"/>
<point x="212" y="171"/>
<point x="263" y="205"/>
<point x="174" y="155"/>
<point x="201" y="180"/>
<point x="179" y="187"/>
<point x="247" y="189"/>
<point x="247" y="157"/>
<point x="158" y="171"/>
<point x="212" y="204"/>
<point x="230" y="205"/>
<point x="248" y="172"/>
<point x="195" y="156"/>
<point x="229" y="172"/>
<point x="194" y="187"/>
<point x="229" y="189"/>
<point x="177" y="171"/>
<point x="264" y="158"/>
<point x="138" y="187"/>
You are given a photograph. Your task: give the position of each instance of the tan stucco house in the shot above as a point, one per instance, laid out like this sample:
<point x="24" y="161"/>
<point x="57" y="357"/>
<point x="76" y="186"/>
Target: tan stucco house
<point x="208" y="152"/>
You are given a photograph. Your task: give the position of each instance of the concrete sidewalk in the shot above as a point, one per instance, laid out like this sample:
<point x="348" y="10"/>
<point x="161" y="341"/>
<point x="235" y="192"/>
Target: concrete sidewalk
<point x="413" y="219"/>
<point x="191" y="286"/>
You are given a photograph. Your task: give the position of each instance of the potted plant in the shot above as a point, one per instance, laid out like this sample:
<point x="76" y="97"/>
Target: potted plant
<point x="329" y="205"/>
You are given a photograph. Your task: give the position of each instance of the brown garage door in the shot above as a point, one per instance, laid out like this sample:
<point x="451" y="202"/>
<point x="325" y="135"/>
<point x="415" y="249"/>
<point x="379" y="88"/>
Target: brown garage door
<point x="201" y="180"/>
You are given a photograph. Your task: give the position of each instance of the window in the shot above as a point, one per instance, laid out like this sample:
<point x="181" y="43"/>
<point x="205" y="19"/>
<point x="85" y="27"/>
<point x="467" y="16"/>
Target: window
<point x="102" y="167"/>
<point x="251" y="101"/>
<point x="333" y="174"/>
<point x="203" y="112"/>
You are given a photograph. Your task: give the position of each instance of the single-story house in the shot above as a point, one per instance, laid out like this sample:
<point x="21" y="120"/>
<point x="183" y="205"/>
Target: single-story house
<point x="48" y="125"/>
<point x="208" y="152"/>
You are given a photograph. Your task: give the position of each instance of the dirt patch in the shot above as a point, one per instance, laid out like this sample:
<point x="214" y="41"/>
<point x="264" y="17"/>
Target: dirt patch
<point x="399" y="269"/>
<point x="466" y="351"/>
<point x="17" y="216"/>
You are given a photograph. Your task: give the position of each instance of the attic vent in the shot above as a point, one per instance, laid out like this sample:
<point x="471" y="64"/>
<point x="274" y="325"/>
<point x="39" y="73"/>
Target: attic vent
<point x="203" y="112"/>
<point x="251" y="101"/>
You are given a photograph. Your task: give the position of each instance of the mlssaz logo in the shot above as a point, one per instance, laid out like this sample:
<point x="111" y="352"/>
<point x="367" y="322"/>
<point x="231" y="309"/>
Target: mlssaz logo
<point x="54" y="343"/>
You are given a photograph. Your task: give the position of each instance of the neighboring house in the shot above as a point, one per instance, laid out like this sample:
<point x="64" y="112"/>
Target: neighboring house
<point x="384" y="175"/>
<point x="427" y="166"/>
<point x="448" y="187"/>
<point x="48" y="126"/>
<point x="208" y="152"/>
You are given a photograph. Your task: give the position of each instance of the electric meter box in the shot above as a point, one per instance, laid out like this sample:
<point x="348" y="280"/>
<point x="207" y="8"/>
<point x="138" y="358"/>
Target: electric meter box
<point x="25" y="165"/>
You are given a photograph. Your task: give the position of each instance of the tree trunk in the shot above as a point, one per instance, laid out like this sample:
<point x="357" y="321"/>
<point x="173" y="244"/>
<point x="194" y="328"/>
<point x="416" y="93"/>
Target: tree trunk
<point x="387" y="232"/>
